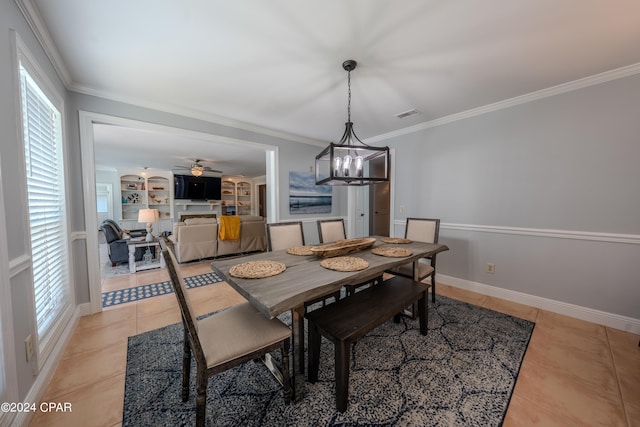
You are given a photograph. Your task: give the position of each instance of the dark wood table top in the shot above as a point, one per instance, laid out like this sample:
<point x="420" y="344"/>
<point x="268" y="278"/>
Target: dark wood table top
<point x="305" y="280"/>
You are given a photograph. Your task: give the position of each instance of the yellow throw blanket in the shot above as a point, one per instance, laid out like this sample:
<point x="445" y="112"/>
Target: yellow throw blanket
<point x="229" y="228"/>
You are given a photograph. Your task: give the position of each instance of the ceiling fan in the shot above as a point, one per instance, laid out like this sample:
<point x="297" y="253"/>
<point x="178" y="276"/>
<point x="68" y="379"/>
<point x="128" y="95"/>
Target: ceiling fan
<point x="197" y="169"/>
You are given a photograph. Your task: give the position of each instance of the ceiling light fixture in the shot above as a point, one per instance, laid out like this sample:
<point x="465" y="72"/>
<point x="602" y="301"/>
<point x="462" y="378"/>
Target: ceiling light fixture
<point x="347" y="162"/>
<point x="196" y="169"/>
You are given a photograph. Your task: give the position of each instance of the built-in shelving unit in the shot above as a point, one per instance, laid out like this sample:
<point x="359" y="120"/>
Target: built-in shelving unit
<point x="159" y="195"/>
<point x="243" y="197"/>
<point x="228" y="197"/>
<point x="236" y="197"/>
<point x="133" y="196"/>
<point x="138" y="191"/>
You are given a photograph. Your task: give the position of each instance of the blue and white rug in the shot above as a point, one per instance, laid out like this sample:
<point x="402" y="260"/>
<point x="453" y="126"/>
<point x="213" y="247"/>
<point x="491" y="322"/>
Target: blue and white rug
<point x="461" y="374"/>
<point x="138" y="293"/>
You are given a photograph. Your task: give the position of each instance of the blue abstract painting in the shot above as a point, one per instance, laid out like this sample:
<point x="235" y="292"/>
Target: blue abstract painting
<point x="305" y="197"/>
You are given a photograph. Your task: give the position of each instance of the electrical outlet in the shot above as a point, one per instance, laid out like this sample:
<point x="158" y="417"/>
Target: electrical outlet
<point x="491" y="267"/>
<point x="28" y="346"/>
<point x="401" y="208"/>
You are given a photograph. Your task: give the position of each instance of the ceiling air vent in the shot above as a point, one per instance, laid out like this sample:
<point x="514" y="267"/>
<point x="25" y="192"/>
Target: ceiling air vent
<point x="407" y="113"/>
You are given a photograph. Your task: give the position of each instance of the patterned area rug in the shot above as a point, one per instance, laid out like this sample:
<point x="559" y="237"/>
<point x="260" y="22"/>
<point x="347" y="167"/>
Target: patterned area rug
<point x="122" y="296"/>
<point x="461" y="374"/>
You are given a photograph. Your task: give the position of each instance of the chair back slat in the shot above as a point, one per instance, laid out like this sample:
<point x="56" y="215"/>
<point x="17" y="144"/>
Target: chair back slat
<point x="331" y="230"/>
<point x="180" y="288"/>
<point x="284" y="235"/>
<point x="423" y="229"/>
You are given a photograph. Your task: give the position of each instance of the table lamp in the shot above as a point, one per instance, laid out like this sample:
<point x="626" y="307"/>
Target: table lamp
<point x="149" y="216"/>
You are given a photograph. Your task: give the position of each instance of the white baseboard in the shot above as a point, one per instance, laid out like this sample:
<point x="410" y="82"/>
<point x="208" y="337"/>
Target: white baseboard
<point x="587" y="314"/>
<point x="84" y="309"/>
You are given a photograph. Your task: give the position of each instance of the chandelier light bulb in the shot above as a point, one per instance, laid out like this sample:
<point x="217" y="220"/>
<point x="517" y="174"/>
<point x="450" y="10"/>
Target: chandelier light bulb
<point x="359" y="163"/>
<point x="337" y="163"/>
<point x="346" y="165"/>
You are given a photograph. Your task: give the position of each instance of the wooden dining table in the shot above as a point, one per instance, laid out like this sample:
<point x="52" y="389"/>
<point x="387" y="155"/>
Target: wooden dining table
<point x="305" y="280"/>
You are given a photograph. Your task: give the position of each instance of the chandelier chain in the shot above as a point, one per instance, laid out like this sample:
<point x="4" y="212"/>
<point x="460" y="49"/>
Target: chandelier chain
<point x="349" y="101"/>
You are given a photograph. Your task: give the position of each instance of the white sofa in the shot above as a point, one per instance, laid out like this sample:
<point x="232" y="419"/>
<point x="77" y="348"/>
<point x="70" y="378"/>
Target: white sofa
<point x="197" y="238"/>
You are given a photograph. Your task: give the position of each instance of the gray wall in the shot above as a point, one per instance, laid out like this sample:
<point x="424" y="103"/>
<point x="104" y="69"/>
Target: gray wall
<point x="568" y="162"/>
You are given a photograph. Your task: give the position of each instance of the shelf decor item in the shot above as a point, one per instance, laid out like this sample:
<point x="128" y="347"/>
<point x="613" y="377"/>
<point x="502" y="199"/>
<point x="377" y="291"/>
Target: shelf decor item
<point x="346" y="163"/>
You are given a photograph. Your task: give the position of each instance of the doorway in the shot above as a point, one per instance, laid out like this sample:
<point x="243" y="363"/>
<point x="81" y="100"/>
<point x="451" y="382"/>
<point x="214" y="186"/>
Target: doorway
<point x="262" y="200"/>
<point x="379" y="202"/>
<point x="86" y="123"/>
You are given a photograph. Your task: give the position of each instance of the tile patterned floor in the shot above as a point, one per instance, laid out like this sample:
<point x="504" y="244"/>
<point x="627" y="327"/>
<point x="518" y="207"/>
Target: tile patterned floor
<point x="574" y="372"/>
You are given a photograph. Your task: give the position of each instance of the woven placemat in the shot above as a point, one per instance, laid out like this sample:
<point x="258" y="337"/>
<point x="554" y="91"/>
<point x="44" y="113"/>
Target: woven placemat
<point x="300" y="250"/>
<point x="257" y="269"/>
<point x="391" y="251"/>
<point x="395" y="240"/>
<point x="344" y="263"/>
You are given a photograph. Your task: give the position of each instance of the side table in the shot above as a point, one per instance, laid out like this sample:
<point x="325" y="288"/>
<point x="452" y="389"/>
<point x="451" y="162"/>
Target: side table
<point x="156" y="262"/>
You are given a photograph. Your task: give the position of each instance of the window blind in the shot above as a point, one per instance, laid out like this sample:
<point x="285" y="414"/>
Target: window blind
<point x="46" y="202"/>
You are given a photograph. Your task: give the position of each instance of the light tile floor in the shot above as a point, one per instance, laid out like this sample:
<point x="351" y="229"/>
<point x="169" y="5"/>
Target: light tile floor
<point x="574" y="372"/>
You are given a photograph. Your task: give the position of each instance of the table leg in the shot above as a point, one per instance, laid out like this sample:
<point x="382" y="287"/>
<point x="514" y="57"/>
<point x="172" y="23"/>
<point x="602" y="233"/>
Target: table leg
<point x="132" y="258"/>
<point x="297" y="326"/>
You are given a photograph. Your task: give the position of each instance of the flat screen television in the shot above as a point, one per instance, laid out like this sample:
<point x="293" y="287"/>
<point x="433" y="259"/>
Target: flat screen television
<point x="197" y="187"/>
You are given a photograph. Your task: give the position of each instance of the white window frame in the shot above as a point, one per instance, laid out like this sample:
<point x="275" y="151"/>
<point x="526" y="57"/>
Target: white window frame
<point x="43" y="347"/>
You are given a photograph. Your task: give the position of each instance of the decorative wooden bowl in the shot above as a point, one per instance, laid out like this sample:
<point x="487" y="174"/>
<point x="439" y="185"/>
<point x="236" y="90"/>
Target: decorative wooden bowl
<point x="343" y="247"/>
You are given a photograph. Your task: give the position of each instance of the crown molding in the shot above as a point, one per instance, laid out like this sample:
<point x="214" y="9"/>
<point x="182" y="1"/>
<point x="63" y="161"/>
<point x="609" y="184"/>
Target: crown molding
<point x="596" y="79"/>
<point x="33" y="18"/>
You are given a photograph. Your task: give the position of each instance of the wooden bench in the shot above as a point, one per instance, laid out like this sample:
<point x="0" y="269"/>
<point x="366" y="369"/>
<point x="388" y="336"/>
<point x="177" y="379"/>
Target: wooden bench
<point x="349" y="319"/>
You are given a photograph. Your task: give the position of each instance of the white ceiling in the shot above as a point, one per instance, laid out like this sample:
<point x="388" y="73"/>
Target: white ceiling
<point x="277" y="64"/>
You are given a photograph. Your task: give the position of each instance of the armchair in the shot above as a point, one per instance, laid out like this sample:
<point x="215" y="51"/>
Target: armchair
<point x="118" y="248"/>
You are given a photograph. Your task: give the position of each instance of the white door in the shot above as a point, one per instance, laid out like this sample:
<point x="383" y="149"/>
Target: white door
<point x="358" y="200"/>
<point x="104" y="201"/>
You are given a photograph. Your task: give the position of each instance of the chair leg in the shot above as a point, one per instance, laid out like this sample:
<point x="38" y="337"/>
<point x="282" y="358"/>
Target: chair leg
<point x="201" y="397"/>
<point x="286" y="376"/>
<point x="343" y="357"/>
<point x="186" y="366"/>
<point x="423" y="310"/>
<point x="433" y="287"/>
<point x="313" y="356"/>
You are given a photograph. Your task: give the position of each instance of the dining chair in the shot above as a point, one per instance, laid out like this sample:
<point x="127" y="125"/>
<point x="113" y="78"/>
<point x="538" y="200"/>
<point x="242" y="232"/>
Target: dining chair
<point x="283" y="235"/>
<point x="331" y="230"/>
<point x="421" y="230"/>
<point x="224" y="340"/>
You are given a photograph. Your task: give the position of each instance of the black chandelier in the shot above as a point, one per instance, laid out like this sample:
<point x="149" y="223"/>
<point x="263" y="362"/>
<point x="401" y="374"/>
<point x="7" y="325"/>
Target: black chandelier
<point x="347" y="162"/>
